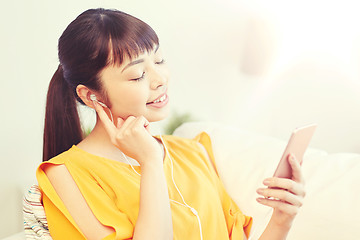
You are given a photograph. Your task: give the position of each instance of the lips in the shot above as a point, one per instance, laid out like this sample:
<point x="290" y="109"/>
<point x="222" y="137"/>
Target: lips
<point x="159" y="99"/>
<point x="159" y="102"/>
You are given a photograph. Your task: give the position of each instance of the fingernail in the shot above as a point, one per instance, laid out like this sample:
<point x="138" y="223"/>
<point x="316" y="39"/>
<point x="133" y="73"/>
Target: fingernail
<point x="266" y="182"/>
<point x="260" y="191"/>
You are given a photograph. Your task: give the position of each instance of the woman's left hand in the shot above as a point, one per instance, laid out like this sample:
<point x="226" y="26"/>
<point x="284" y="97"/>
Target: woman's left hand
<point x="284" y="195"/>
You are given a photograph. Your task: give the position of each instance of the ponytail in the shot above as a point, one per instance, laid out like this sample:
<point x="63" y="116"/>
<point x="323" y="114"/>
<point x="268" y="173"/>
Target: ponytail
<point x="62" y="124"/>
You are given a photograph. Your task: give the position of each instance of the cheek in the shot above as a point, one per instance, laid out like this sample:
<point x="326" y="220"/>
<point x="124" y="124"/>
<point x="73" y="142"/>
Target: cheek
<point x="166" y="73"/>
<point x="130" y="97"/>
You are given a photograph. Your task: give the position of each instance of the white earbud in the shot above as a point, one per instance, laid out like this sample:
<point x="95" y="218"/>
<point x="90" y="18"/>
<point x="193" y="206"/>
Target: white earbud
<point x="93" y="98"/>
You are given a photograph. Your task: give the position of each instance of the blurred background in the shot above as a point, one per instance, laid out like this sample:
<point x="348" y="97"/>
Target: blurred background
<point x="266" y="66"/>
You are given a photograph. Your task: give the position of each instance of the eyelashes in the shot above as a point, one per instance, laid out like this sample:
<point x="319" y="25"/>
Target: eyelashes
<point x="143" y="74"/>
<point x="161" y="62"/>
<point x="139" y="78"/>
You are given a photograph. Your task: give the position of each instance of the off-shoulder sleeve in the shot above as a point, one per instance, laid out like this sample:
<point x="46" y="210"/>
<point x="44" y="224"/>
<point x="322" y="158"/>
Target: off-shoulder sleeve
<point x="62" y="225"/>
<point x="237" y="222"/>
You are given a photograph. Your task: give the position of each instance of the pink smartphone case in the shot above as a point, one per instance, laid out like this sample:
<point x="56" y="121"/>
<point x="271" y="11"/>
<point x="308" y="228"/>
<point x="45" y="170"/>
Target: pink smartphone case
<point x="299" y="141"/>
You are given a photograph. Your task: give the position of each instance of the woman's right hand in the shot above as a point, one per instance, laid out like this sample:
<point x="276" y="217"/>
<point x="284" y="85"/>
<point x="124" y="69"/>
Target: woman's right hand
<point x="132" y="137"/>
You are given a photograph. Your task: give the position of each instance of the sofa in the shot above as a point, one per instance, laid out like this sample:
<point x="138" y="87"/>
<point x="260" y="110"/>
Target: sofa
<point x="331" y="208"/>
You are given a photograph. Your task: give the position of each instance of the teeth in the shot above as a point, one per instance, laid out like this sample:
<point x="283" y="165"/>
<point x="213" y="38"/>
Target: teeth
<point x="160" y="99"/>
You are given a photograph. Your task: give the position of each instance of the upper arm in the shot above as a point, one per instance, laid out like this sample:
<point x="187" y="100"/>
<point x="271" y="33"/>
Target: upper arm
<point x="75" y="203"/>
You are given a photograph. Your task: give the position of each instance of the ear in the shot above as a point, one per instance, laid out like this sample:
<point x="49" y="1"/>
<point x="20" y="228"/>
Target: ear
<point x="84" y="93"/>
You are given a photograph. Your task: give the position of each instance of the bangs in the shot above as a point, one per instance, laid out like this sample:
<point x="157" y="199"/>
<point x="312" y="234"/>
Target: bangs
<point x="127" y="37"/>
<point x="98" y="38"/>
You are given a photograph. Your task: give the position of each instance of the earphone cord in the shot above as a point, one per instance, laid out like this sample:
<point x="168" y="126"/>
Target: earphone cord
<point x="93" y="98"/>
<point x="172" y="176"/>
<point x="177" y="189"/>
<point x="112" y="119"/>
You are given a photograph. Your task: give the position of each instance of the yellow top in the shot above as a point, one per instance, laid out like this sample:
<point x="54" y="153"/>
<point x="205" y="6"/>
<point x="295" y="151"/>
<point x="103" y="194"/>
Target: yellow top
<point x="111" y="189"/>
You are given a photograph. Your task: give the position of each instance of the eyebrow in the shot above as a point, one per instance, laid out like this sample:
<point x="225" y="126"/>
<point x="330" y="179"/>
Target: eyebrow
<point x="139" y="60"/>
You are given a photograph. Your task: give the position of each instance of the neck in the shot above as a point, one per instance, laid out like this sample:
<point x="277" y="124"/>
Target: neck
<point x="99" y="136"/>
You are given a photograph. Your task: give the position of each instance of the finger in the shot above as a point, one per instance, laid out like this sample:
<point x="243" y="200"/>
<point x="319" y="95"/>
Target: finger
<point x="127" y="124"/>
<point x="281" y="195"/>
<point x="276" y="204"/>
<point x="144" y="121"/>
<point x="140" y="123"/>
<point x="104" y="118"/>
<point x="123" y="131"/>
<point x="120" y="122"/>
<point x="287" y="184"/>
<point x="296" y="169"/>
<point x="147" y="126"/>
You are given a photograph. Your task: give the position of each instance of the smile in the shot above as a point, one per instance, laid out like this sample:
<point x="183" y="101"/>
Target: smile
<point x="160" y="99"/>
<point x="160" y="102"/>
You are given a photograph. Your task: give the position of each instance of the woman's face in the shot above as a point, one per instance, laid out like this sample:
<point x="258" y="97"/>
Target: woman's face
<point x="133" y="86"/>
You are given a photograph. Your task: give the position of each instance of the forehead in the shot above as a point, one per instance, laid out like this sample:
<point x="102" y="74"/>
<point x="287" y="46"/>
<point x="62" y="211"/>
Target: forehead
<point x="121" y="60"/>
<point x="115" y="70"/>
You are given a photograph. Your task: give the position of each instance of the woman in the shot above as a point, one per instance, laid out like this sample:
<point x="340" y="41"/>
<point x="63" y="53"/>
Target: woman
<point x="120" y="182"/>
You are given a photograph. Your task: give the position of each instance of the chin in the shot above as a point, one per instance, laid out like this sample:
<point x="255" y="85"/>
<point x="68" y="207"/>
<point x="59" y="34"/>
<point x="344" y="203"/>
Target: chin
<point x="158" y="117"/>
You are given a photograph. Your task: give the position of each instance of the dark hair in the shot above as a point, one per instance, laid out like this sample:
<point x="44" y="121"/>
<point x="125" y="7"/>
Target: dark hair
<point x="94" y="40"/>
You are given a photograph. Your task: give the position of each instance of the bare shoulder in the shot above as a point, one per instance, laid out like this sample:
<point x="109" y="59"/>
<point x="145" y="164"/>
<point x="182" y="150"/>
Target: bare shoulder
<point x="56" y="173"/>
<point x="69" y="193"/>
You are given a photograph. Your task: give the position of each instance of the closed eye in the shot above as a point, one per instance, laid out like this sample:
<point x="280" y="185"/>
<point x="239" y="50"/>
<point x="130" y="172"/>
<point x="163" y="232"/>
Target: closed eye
<point x="139" y="78"/>
<point x="161" y="62"/>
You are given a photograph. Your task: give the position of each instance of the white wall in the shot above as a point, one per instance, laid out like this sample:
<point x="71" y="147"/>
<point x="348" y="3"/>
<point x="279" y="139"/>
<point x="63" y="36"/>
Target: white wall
<point x="265" y="65"/>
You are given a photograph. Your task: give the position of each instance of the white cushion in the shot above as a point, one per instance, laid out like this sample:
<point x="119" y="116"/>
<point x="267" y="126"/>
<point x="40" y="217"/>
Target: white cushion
<point x="331" y="207"/>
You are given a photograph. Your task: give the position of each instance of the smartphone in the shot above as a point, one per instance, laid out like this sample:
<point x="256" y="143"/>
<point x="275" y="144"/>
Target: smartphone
<point x="297" y="145"/>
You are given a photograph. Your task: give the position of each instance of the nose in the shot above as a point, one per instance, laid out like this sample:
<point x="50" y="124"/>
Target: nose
<point x="158" y="79"/>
